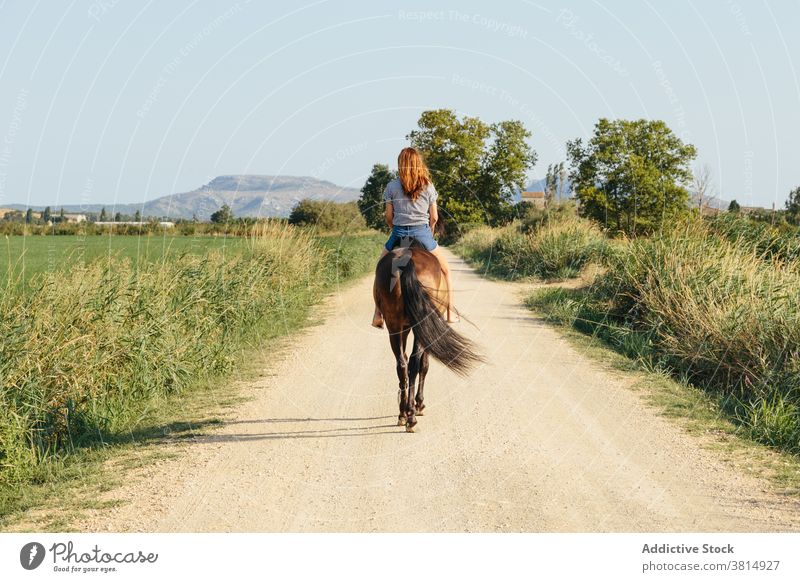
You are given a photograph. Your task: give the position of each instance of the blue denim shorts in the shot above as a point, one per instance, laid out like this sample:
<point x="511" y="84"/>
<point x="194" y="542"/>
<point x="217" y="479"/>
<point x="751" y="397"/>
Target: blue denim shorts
<point x="421" y="232"/>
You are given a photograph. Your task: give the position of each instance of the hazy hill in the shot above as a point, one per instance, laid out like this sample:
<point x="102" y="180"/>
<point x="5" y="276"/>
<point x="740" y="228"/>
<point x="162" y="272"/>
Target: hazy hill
<point x="246" y="194"/>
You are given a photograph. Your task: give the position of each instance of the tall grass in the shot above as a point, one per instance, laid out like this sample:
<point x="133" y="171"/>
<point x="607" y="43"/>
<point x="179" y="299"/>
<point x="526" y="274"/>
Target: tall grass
<point x="780" y="243"/>
<point x="713" y="307"/>
<point x="709" y="310"/>
<point x="85" y="353"/>
<point x="549" y="247"/>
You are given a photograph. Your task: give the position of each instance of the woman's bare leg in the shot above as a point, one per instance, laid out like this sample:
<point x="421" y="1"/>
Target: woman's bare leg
<point x="452" y="316"/>
<point x="377" y="318"/>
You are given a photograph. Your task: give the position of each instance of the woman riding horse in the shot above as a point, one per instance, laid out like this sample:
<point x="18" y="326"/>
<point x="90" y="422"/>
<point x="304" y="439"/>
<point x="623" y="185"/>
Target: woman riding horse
<point x="412" y="289"/>
<point x="411" y="212"/>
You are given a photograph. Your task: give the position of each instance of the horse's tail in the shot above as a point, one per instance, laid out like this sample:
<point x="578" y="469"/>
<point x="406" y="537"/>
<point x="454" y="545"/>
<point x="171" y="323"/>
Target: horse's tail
<point x="437" y="337"/>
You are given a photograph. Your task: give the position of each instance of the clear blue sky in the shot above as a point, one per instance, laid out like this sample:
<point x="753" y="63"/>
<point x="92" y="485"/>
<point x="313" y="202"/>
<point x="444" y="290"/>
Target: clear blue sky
<point x="125" y="101"/>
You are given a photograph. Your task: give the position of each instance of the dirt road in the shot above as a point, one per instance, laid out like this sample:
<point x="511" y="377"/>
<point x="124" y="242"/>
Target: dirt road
<point x="538" y="439"/>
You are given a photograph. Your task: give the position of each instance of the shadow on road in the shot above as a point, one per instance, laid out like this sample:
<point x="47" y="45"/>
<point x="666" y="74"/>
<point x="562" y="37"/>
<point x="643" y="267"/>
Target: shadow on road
<point x="197" y="432"/>
<point x="354" y="431"/>
<point x="307" y="419"/>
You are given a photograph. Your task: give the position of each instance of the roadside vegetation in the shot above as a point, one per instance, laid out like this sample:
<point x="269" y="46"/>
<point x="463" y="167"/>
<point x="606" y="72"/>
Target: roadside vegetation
<point x="713" y="303"/>
<point x="771" y="242"/>
<point x="556" y="244"/>
<point x="709" y="298"/>
<point x="89" y="354"/>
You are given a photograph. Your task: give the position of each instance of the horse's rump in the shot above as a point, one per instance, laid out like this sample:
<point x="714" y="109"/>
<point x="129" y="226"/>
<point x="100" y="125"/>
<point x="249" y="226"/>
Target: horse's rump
<point x="411" y="291"/>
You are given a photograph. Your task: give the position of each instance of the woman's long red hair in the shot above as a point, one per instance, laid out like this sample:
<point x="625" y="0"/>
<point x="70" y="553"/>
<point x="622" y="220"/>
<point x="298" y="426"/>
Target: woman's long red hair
<point x="414" y="174"/>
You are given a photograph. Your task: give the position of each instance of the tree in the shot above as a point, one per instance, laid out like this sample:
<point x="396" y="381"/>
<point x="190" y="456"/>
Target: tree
<point x="29" y="216"/>
<point x="734" y="207"/>
<point x="138" y="216"/>
<point x="631" y="175"/>
<point x="562" y="181"/>
<point x="550" y="185"/>
<point x="14" y="216"/>
<point x="222" y="216"/>
<point x="555" y="182"/>
<point x="476" y="168"/>
<point x="103" y="215"/>
<point x="46" y="214"/>
<point x="701" y="185"/>
<point x="370" y="204"/>
<point x="505" y="167"/>
<point x="793" y="206"/>
<point x="61" y="215"/>
<point x="118" y="217"/>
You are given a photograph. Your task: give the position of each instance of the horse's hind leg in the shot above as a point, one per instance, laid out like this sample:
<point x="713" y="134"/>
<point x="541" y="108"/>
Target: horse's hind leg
<point x="414" y="373"/>
<point x="423" y="371"/>
<point x="397" y="339"/>
<point x="411" y="419"/>
<point x="408" y="401"/>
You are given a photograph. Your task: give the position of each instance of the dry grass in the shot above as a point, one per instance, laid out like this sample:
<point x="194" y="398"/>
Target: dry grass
<point x="85" y="353"/>
<point x="710" y="311"/>
<point x="551" y="249"/>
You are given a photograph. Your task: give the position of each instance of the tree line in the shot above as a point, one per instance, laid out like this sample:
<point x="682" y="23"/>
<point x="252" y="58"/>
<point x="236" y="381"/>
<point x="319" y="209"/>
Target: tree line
<point x="47" y="216"/>
<point x="224" y="215"/>
<point x="631" y="176"/>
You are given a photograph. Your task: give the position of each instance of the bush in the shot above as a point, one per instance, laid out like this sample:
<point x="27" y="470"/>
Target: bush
<point x="555" y="246"/>
<point x="449" y="232"/>
<point x="328" y="216"/>
<point x="715" y="309"/>
<point x="534" y="218"/>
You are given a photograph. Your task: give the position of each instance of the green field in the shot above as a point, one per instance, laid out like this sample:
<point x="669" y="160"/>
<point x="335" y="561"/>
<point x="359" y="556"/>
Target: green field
<point x="28" y="255"/>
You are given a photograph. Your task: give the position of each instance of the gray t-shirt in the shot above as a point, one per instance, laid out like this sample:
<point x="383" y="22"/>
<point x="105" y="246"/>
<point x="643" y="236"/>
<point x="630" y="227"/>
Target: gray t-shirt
<point x="406" y="211"/>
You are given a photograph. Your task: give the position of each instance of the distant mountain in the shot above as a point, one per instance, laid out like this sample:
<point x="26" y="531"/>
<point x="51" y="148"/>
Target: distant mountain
<point x="246" y="194"/>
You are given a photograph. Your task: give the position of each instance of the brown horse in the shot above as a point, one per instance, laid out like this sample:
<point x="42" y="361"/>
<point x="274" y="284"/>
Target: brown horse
<point x="411" y="292"/>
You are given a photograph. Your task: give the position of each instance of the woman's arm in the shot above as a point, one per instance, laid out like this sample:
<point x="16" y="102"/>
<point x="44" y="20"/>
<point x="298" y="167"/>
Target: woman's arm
<point x="434" y="216"/>
<point x="389" y="214"/>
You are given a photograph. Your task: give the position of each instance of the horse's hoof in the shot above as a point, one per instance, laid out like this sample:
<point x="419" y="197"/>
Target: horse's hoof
<point x="401" y="422"/>
<point x="419" y="413"/>
<point x="409" y="428"/>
